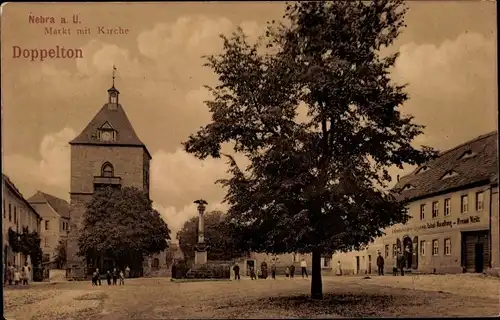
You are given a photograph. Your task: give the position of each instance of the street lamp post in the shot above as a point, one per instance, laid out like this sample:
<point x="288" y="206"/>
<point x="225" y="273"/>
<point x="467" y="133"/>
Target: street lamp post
<point x="201" y="249"/>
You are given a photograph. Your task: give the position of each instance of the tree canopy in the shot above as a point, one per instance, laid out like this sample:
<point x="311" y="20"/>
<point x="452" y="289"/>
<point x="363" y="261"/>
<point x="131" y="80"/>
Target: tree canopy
<point x="221" y="245"/>
<point x="123" y="224"/>
<point x="27" y="243"/>
<point x="316" y="181"/>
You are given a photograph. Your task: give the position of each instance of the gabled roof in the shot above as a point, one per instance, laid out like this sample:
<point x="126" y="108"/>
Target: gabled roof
<point x="59" y="205"/>
<point x="118" y="119"/>
<point x="12" y="187"/>
<point x="481" y="167"/>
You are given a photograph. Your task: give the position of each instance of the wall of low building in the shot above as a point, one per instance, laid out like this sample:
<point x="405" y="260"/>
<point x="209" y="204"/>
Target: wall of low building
<point x="424" y="232"/>
<point x="25" y="217"/>
<point x="50" y="231"/>
<point x="495" y="230"/>
<point x="281" y="261"/>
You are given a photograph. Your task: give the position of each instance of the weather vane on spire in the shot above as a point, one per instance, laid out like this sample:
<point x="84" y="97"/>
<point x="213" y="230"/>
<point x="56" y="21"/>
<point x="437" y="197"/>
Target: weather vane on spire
<point x="114" y="70"/>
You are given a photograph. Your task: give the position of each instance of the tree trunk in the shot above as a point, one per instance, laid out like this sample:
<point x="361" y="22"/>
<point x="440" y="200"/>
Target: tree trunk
<point x="316" y="282"/>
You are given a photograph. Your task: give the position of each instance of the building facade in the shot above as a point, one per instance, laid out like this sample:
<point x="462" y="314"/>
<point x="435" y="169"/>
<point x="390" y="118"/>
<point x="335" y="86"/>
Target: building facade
<point x="107" y="152"/>
<point x="282" y="261"/>
<point x="17" y="214"/>
<point x="454" y="225"/>
<point x="55" y="224"/>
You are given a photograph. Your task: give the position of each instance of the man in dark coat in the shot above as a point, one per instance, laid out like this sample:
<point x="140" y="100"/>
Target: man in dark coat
<point x="380" y="264"/>
<point x="236" y="270"/>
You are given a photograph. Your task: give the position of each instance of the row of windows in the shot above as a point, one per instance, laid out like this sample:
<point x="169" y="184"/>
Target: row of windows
<point x="10" y="212"/>
<point x="464" y="206"/>
<point x="423" y="243"/>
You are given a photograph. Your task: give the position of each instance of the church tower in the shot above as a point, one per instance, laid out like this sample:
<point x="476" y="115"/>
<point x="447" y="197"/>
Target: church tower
<point x="107" y="152"/>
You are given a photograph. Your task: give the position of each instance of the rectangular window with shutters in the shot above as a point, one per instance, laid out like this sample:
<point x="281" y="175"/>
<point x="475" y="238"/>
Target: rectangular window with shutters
<point x="422" y="211"/>
<point x="10" y="212"/>
<point x="394" y="250"/>
<point x="435" y="209"/>
<point x="422" y="248"/>
<point x="15" y="214"/>
<point x="46" y="224"/>
<point x="435" y="247"/>
<point x="386" y="253"/>
<point x="447" y="207"/>
<point x="464" y="204"/>
<point x="479" y="201"/>
<point x="447" y="247"/>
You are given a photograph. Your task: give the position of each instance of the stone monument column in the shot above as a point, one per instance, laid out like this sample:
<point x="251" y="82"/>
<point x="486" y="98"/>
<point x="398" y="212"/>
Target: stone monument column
<point x="201" y="249"/>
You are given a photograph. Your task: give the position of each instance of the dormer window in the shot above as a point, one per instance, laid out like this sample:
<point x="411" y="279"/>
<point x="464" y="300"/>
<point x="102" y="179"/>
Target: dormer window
<point x="407" y="187"/>
<point x="467" y="154"/>
<point x="449" y="174"/>
<point x="422" y="169"/>
<point x="106" y="133"/>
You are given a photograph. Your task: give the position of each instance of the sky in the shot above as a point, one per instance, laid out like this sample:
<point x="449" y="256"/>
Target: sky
<point x="448" y="58"/>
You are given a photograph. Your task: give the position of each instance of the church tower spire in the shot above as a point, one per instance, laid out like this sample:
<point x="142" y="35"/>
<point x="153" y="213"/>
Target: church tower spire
<point x="113" y="92"/>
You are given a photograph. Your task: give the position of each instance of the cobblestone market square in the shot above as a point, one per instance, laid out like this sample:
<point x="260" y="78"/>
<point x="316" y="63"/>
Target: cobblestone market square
<point x="349" y="296"/>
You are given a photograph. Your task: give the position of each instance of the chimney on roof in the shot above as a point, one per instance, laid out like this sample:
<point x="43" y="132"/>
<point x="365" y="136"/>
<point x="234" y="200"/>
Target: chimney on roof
<point x="397" y="177"/>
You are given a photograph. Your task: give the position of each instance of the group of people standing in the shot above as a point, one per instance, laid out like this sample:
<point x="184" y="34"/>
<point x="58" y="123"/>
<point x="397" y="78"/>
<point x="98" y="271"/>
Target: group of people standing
<point x="111" y="277"/>
<point x="262" y="272"/>
<point x="15" y="275"/>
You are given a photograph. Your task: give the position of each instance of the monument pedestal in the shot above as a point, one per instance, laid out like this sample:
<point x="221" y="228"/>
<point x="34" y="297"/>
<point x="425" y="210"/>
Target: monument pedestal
<point x="200" y="255"/>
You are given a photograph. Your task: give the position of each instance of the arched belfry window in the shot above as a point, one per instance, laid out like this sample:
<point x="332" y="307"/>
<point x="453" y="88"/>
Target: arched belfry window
<point x="107" y="170"/>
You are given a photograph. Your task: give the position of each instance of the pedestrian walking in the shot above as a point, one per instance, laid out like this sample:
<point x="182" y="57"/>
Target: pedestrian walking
<point x="108" y="277"/>
<point x="114" y="275"/>
<point x="122" y="278"/>
<point x="401" y="262"/>
<point x="263" y="268"/>
<point x="273" y="271"/>
<point x="98" y="276"/>
<point x="236" y="270"/>
<point x="10" y="273"/>
<point x="259" y="274"/>
<point x="94" y="278"/>
<point x="292" y="271"/>
<point x="127" y="272"/>
<point x="338" y="272"/>
<point x="287" y="271"/>
<point x="380" y="264"/>
<point x="252" y="273"/>
<point x="17" y="277"/>
<point x="303" y="267"/>
<point x="25" y="274"/>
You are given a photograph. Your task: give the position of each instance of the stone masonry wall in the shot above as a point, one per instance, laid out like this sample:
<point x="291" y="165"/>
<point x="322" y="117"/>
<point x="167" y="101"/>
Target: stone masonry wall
<point x="86" y="163"/>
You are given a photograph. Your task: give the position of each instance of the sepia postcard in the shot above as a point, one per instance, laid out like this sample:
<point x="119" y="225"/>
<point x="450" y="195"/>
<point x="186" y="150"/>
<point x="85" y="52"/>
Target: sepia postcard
<point x="323" y="159"/>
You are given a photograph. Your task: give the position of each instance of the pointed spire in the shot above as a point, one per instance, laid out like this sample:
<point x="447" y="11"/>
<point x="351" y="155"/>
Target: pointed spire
<point x="114" y="70"/>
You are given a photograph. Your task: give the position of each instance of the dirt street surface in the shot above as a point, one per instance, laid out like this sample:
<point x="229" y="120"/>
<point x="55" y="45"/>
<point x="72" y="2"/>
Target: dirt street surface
<point x="159" y="298"/>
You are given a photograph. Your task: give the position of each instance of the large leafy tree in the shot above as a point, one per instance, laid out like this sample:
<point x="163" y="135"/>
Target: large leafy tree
<point x="122" y="224"/>
<point x="316" y="183"/>
<point x="218" y="238"/>
<point x="27" y="243"/>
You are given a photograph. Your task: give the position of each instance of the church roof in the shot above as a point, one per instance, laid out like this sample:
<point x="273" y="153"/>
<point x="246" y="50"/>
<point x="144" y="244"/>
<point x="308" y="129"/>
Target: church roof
<point x="114" y="115"/>
<point x="472" y="162"/>
<point x="59" y="205"/>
